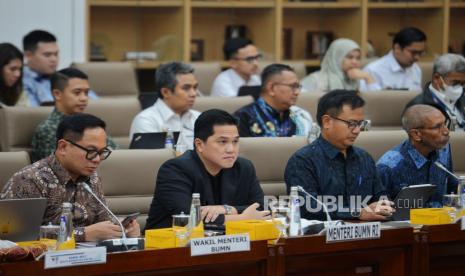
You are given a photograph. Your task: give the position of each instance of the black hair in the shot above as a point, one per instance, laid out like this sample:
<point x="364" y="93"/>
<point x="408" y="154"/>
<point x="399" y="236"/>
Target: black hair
<point x="407" y="36"/>
<point x="332" y="103"/>
<point x="203" y="127"/>
<point x="72" y="127"/>
<point x="233" y="45"/>
<point x="165" y="76"/>
<point x="273" y="70"/>
<point x="59" y="79"/>
<point x="32" y="39"/>
<point x="10" y="95"/>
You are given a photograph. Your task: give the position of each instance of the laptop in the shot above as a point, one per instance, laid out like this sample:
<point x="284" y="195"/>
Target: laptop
<point x="411" y="197"/>
<point x="253" y="91"/>
<point x="151" y="140"/>
<point x="20" y="219"/>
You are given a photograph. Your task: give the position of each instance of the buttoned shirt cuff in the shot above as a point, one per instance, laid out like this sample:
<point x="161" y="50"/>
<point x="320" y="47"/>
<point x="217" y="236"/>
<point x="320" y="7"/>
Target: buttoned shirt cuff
<point x="79" y="234"/>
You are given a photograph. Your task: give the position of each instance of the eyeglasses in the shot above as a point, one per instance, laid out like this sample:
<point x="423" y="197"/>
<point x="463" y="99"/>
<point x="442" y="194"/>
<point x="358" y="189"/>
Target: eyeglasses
<point x="294" y="86"/>
<point x="416" y="52"/>
<point x="353" y="124"/>
<point x="438" y="127"/>
<point x="91" y="153"/>
<point x="453" y="82"/>
<point x="250" y="59"/>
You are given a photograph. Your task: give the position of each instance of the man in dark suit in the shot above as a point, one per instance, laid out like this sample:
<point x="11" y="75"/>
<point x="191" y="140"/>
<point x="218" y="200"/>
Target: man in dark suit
<point x="227" y="184"/>
<point x="445" y="90"/>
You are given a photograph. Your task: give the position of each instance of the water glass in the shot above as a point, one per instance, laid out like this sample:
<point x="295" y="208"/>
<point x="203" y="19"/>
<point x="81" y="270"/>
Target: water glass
<point x="280" y="215"/>
<point x="180" y="223"/>
<point x="49" y="235"/>
<point x="453" y="202"/>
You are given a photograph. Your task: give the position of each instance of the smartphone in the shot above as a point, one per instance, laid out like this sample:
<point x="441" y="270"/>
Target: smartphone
<point x="127" y="220"/>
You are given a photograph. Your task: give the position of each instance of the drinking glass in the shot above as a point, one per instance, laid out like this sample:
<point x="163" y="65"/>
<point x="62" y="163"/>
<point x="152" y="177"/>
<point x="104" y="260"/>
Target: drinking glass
<point x="49" y="235"/>
<point x="180" y="223"/>
<point x="453" y="202"/>
<point x="280" y="215"/>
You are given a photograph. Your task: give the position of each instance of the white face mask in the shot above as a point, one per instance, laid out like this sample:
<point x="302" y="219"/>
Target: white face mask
<point x="453" y="93"/>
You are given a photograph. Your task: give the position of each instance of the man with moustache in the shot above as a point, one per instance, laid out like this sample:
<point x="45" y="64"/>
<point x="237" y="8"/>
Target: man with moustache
<point x="412" y="161"/>
<point x="227" y="184"/>
<point x="274" y="114"/>
<point x="70" y="89"/>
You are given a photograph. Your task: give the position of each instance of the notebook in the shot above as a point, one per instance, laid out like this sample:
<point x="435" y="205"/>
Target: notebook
<point x="411" y="197"/>
<point x="20" y="219"/>
<point x="151" y="140"/>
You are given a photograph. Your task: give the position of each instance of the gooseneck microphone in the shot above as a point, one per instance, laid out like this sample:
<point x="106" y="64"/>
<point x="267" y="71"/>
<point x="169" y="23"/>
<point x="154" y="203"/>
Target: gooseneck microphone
<point x="442" y="167"/>
<point x="328" y="217"/>
<point x="89" y="190"/>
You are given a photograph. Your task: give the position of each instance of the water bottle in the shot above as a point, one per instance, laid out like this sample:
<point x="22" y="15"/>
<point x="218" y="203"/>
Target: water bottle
<point x="169" y="141"/>
<point x="461" y="191"/>
<point x="314" y="133"/>
<point x="65" y="235"/>
<point x="295" y="228"/>
<point x="194" y="215"/>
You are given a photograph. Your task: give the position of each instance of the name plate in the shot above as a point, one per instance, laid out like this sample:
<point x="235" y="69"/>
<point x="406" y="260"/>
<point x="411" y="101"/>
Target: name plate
<point x="75" y="257"/>
<point x="220" y="244"/>
<point x="353" y="231"/>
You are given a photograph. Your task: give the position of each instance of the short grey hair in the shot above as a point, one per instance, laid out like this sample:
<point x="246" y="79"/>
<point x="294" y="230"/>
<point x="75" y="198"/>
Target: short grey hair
<point x="415" y="116"/>
<point x="165" y="76"/>
<point x="448" y="63"/>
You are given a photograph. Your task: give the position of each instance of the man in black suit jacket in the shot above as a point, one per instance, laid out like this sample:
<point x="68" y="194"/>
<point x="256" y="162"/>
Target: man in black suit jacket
<point x="227" y="184"/>
<point x="445" y="91"/>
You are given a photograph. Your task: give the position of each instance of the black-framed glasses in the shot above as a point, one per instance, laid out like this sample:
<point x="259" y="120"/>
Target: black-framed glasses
<point x="250" y="59"/>
<point x="416" y="52"/>
<point x="293" y="86"/>
<point x="352" y="124"/>
<point x="440" y="126"/>
<point x="91" y="153"/>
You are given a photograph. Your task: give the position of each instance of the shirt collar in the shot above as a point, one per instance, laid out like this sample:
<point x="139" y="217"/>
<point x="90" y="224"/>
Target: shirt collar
<point x="166" y="112"/>
<point x="331" y="151"/>
<point x="393" y="64"/>
<point x="33" y="74"/>
<point x="57" y="115"/>
<point x="63" y="175"/>
<point x="274" y="113"/>
<point x="418" y="159"/>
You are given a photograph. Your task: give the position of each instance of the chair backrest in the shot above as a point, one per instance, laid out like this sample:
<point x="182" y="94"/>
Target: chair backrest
<point x="309" y="102"/>
<point x="117" y="114"/>
<point x="206" y="72"/>
<point x="128" y="179"/>
<point x="299" y="68"/>
<point x="18" y="124"/>
<point x="270" y="156"/>
<point x="457" y="142"/>
<point x="110" y="79"/>
<point x="384" y="108"/>
<point x="11" y="162"/>
<point x="227" y="104"/>
<point x="377" y="142"/>
<point x="426" y="72"/>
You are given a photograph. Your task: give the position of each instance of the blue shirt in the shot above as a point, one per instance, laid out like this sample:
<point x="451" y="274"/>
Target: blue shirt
<point x="38" y="88"/>
<point x="404" y="166"/>
<point x="322" y="170"/>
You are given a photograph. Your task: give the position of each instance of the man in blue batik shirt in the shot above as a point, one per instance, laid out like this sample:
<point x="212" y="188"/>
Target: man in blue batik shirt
<point x="412" y="161"/>
<point x="331" y="168"/>
<point x="41" y="52"/>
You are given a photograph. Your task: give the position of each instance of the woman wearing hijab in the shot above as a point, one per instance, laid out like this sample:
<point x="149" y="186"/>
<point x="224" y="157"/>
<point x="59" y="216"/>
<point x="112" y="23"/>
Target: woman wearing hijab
<point x="340" y="69"/>
<point x="11" y="64"/>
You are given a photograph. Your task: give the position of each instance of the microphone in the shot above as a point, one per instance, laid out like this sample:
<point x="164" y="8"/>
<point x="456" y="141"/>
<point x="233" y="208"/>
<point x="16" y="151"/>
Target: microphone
<point x="442" y="167"/>
<point x="123" y="238"/>
<point x="328" y="217"/>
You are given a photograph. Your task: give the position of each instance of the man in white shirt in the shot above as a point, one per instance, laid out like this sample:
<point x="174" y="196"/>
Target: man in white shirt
<point x="177" y="87"/>
<point x="446" y="88"/>
<point x="398" y="69"/>
<point x="243" y="59"/>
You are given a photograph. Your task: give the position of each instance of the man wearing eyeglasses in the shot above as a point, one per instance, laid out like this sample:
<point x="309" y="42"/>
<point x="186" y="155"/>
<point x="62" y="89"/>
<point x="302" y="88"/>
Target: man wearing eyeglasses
<point x="334" y="170"/>
<point x="398" y="69"/>
<point x="70" y="90"/>
<point x="274" y="113"/>
<point x="412" y="161"/>
<point x="446" y="88"/>
<point x="81" y="146"/>
<point x="243" y="59"/>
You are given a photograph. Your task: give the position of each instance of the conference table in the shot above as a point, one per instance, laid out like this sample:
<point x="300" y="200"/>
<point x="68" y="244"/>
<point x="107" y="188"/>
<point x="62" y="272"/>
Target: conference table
<point x="429" y="250"/>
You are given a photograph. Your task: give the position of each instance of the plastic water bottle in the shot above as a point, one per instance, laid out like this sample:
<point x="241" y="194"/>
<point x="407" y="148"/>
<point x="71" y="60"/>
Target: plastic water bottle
<point x="194" y="215"/>
<point x="65" y="235"/>
<point x="169" y="141"/>
<point x="461" y="191"/>
<point x="314" y="133"/>
<point x="295" y="228"/>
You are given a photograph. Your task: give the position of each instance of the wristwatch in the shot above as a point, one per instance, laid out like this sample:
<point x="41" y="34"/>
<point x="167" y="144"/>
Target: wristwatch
<point x="355" y="212"/>
<point x="228" y="209"/>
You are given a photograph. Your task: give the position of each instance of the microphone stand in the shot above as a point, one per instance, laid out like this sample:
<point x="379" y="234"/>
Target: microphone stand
<point x="325" y="209"/>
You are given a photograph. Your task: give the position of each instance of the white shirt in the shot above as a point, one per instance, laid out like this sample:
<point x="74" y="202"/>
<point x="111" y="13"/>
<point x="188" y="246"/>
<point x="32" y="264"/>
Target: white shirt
<point x="160" y="117"/>
<point x="228" y="82"/>
<point x="390" y="75"/>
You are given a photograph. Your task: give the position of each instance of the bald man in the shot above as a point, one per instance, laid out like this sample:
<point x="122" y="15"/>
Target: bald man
<point x="412" y="161"/>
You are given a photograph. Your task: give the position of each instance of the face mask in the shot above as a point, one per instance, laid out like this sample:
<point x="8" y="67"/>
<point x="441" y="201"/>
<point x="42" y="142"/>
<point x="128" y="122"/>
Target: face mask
<point x="453" y="93"/>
